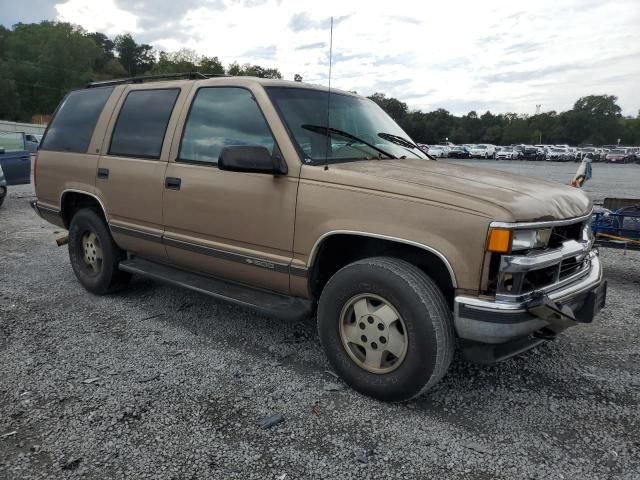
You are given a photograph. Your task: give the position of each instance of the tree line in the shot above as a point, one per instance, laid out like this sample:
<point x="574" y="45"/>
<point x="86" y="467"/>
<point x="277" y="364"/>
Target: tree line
<point x="40" y="62"/>
<point x="594" y="120"/>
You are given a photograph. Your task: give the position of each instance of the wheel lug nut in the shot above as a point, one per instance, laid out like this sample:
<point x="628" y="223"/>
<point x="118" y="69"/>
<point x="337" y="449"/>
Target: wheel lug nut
<point x="362" y="326"/>
<point x="383" y="340"/>
<point x="363" y="338"/>
<point x="374" y="345"/>
<point x="370" y="319"/>
<point x="380" y="327"/>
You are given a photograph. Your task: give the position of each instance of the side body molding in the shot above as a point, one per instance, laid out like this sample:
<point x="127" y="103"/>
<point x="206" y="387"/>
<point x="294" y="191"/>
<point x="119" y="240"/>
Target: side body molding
<point x="438" y="254"/>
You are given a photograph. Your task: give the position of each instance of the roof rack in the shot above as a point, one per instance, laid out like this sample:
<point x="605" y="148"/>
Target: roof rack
<point x="151" y="78"/>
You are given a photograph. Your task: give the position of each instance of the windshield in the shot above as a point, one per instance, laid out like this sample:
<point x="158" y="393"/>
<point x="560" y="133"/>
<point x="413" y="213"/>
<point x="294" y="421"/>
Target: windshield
<point x="617" y="151"/>
<point x="480" y="147"/>
<point x="370" y="130"/>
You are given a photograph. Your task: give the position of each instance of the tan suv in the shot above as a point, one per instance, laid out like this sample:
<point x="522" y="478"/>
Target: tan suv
<point x="247" y="190"/>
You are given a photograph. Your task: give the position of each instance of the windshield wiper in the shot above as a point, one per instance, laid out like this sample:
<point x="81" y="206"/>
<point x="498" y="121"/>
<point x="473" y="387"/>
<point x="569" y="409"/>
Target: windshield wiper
<point x="398" y="140"/>
<point x="334" y="131"/>
<point x="403" y="142"/>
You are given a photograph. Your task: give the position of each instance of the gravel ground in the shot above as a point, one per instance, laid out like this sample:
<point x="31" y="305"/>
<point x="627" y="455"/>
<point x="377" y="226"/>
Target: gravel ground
<point x="158" y="382"/>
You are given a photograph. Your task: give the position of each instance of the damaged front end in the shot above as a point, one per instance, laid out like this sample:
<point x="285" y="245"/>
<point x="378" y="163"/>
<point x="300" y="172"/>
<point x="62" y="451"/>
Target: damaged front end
<point x="540" y="278"/>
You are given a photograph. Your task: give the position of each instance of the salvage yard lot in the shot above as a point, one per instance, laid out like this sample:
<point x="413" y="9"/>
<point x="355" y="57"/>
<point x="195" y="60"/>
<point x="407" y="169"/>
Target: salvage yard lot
<point x="160" y="382"/>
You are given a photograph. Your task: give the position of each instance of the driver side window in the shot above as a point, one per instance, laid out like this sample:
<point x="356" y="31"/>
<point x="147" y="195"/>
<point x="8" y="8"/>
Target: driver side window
<point x="222" y="117"/>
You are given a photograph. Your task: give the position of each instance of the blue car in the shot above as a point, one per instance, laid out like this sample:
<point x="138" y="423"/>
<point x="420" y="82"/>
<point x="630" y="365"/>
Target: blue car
<point x="15" y="159"/>
<point x="3" y="187"/>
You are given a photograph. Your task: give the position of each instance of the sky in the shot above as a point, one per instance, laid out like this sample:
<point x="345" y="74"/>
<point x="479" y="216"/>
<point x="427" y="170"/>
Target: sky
<point x="498" y="55"/>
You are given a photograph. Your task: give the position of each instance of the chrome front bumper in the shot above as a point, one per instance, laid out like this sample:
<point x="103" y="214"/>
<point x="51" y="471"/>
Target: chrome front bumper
<point x="500" y="321"/>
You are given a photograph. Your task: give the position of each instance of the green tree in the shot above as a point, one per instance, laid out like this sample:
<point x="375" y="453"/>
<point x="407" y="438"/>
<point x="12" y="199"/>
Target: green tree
<point x="394" y="107"/>
<point x="253" y="71"/>
<point x="211" y="65"/>
<point x="46" y="60"/>
<point x="136" y="59"/>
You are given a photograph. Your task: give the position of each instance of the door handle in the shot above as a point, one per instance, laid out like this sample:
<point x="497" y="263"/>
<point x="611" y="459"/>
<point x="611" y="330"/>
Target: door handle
<point x="172" y="183"/>
<point x="103" y="173"/>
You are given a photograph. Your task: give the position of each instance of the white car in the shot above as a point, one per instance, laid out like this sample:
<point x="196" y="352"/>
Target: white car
<point x="482" y="151"/>
<point x="506" y="153"/>
<point x="437" y="151"/>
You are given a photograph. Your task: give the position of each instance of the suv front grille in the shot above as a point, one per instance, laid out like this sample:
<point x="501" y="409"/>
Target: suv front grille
<point x="566" y="258"/>
<point x="562" y="233"/>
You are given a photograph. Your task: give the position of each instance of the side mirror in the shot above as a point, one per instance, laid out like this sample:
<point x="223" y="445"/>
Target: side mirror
<point x="250" y="159"/>
<point x="1" y="150"/>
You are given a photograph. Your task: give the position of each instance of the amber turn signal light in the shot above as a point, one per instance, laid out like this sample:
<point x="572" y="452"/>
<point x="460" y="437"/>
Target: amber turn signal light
<point x="499" y="240"/>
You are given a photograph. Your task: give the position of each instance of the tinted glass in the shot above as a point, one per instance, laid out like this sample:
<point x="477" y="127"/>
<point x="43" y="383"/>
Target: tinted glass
<point x="72" y="125"/>
<point x="221" y="117"/>
<point x="305" y="113"/>
<point x="142" y="123"/>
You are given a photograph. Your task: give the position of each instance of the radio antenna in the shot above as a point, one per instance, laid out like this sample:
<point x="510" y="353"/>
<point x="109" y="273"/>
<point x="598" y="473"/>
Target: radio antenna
<point x="328" y="143"/>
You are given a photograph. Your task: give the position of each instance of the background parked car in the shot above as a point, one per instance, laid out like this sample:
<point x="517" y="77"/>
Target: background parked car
<point x="506" y="153"/>
<point x="3" y="187"/>
<point x="617" y="155"/>
<point x="483" y="151"/>
<point x="424" y="147"/>
<point x="556" y="154"/>
<point x="437" y="151"/>
<point x="15" y="160"/>
<point x="31" y="142"/>
<point x="459" y="151"/>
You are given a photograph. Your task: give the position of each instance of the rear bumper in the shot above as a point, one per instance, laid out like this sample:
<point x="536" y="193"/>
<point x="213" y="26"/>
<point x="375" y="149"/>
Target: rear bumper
<point x="50" y="214"/>
<point x="497" y="322"/>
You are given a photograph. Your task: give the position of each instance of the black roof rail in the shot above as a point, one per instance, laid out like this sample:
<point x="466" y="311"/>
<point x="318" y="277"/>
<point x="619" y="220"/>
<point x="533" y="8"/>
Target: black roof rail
<point x="150" y="78"/>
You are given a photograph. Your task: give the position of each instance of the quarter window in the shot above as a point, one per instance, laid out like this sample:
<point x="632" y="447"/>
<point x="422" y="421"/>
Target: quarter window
<point x="222" y="117"/>
<point x="142" y="123"/>
<point x="72" y="125"/>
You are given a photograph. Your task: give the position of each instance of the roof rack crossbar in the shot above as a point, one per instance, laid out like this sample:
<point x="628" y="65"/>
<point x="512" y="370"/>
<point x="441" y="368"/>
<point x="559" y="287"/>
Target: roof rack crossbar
<point x="148" y="78"/>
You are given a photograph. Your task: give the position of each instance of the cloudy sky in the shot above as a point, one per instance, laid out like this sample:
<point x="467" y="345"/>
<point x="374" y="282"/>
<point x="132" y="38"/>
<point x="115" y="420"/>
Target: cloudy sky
<point x="460" y="55"/>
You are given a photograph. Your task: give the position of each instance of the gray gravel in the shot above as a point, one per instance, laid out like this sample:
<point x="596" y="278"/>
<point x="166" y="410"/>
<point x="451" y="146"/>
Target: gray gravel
<point x="158" y="382"/>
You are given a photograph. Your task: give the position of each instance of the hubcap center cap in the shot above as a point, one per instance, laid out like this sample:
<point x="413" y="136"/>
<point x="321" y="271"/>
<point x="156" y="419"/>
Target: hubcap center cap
<point x="374" y="333"/>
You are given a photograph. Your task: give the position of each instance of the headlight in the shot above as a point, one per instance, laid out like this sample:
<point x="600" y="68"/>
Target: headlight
<point x="528" y="239"/>
<point x="504" y="240"/>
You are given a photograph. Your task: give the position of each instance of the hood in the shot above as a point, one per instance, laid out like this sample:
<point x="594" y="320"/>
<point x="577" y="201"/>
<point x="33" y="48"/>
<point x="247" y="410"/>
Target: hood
<point x="498" y="195"/>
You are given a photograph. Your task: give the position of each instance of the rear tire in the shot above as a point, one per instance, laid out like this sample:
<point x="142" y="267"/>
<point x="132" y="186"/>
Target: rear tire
<point x="93" y="254"/>
<point x="423" y="319"/>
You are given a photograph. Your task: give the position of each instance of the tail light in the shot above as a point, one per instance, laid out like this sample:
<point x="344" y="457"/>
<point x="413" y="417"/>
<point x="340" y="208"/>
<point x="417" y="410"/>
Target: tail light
<point x="35" y="169"/>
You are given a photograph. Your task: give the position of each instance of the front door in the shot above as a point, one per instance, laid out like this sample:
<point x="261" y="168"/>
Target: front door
<point x="235" y="225"/>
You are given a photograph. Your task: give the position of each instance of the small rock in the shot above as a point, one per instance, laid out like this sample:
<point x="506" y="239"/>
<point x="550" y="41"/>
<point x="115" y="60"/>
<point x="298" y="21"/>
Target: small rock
<point x="361" y="456"/>
<point x="72" y="464"/>
<point x="269" y="422"/>
<point x="332" y="387"/>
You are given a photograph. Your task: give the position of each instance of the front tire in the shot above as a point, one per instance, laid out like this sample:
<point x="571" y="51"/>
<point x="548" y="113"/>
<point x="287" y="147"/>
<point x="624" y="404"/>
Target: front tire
<point x="93" y="254"/>
<point x="386" y="328"/>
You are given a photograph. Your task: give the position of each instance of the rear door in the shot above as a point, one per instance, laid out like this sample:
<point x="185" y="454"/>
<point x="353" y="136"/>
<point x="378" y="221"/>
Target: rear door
<point x="14" y="159"/>
<point x="131" y="171"/>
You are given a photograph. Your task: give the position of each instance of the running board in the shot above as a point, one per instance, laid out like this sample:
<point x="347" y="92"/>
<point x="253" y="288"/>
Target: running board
<point x="268" y="303"/>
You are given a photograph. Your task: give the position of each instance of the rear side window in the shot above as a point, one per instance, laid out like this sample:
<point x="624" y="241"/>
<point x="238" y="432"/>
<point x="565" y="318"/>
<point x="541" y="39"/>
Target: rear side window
<point x="72" y="125"/>
<point x="220" y="117"/>
<point x="142" y="123"/>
